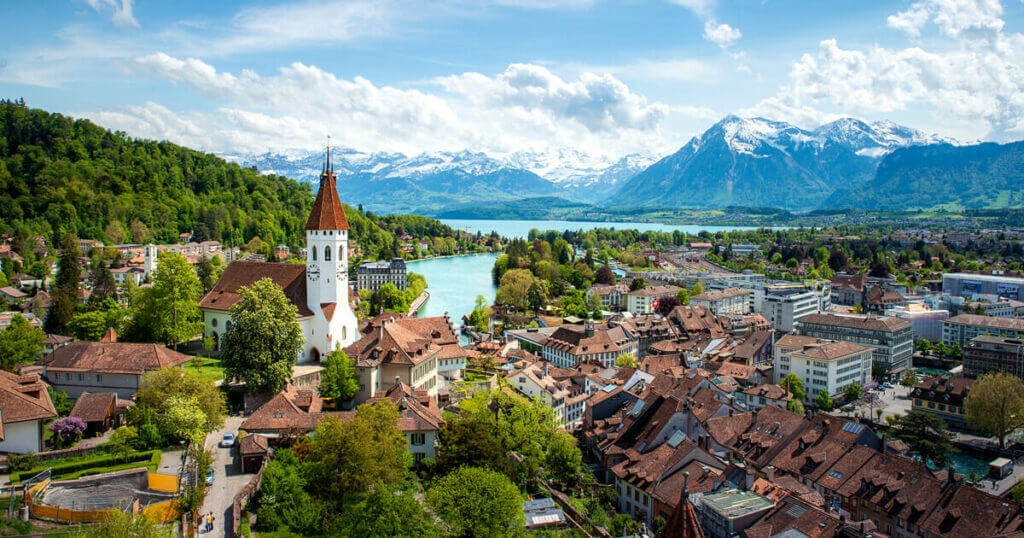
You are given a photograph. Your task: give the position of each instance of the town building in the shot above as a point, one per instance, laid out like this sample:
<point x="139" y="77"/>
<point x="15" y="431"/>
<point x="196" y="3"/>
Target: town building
<point x="823" y="364"/>
<point x="960" y="330"/>
<point x="419" y="418"/>
<point x="944" y="397"/>
<point x="966" y="284"/>
<point x="319" y="290"/>
<point x="727" y="301"/>
<point x="727" y="514"/>
<point x="644" y="301"/>
<point x="535" y="381"/>
<point x="924" y="322"/>
<point x="570" y="345"/>
<point x="106" y="366"/>
<point x="372" y="275"/>
<point x="891" y="339"/>
<point x="786" y="306"/>
<point x="985" y="354"/>
<point x="754" y="398"/>
<point x="291" y="413"/>
<point x="25" y="406"/>
<point x="395" y="347"/>
<point x="613" y="297"/>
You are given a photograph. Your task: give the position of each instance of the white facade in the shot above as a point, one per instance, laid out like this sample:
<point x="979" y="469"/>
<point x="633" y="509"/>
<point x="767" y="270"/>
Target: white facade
<point x="782" y="311"/>
<point x="821" y="371"/>
<point x="149" y="260"/>
<point x="925" y="322"/>
<point x="22" y="437"/>
<point x="327" y="283"/>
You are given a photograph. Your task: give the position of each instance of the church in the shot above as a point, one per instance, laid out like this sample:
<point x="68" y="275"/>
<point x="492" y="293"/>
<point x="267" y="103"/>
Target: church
<point x="319" y="289"/>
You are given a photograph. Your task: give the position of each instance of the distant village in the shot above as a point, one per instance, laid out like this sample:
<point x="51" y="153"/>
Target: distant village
<point x="760" y="407"/>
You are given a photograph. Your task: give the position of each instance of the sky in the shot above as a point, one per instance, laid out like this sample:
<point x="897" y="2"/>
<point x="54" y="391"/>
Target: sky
<point x="604" y="77"/>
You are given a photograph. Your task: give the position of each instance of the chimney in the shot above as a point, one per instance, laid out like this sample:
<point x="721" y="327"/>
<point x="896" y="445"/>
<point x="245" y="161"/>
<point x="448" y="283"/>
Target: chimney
<point x="398" y="380"/>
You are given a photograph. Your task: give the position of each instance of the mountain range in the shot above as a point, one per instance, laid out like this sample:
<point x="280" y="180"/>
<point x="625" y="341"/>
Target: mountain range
<point x="738" y="162"/>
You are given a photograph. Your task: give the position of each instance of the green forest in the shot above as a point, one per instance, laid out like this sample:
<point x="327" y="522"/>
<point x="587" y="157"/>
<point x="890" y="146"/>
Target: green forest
<point x="105" y="185"/>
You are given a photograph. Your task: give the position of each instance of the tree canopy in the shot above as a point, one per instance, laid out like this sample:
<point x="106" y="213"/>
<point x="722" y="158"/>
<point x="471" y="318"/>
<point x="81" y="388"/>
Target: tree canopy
<point x="477" y="502"/>
<point x="794" y="385"/>
<point x="926" y="435"/>
<point x="338" y="380"/>
<point x="20" y="343"/>
<point x="161" y="389"/>
<point x="995" y="405"/>
<point x="264" y="340"/>
<point x="168" y="311"/>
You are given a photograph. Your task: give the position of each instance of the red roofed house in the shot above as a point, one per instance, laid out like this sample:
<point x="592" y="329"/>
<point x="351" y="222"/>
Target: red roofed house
<point x="24" y="407"/>
<point x="419" y="418"/>
<point x="319" y="289"/>
<point x="106" y="366"/>
<point x="395" y="346"/>
<point x="291" y="412"/>
<point x="96" y="410"/>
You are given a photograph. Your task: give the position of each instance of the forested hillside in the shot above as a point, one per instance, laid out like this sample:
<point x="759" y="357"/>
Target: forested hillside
<point x="100" y="184"/>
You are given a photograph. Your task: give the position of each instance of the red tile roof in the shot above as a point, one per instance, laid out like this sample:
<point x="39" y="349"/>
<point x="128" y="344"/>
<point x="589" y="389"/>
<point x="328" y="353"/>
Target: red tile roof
<point x="112" y="357"/>
<point x="94" y="406"/>
<point x="327" y="213"/>
<point x="24" y="398"/>
<point x="290" y="276"/>
<point x="289" y="410"/>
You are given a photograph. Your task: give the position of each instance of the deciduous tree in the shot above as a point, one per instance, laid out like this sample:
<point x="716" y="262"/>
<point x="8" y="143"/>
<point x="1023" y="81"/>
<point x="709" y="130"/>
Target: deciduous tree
<point x="160" y="388"/>
<point x="995" y="405"/>
<point x="604" y="275"/>
<point x="625" y="360"/>
<point x="338" y="381"/>
<point x="853" y="392"/>
<point x="385" y="513"/>
<point x="168" y="311"/>
<point x="823" y="401"/>
<point x="477" y="502"/>
<point x="794" y="385"/>
<point x="264" y="340"/>
<point x="514" y="288"/>
<point x="20" y="343"/>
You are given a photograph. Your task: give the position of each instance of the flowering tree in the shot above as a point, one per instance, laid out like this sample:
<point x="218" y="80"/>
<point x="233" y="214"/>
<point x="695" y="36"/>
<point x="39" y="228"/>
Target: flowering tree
<point x="66" y="431"/>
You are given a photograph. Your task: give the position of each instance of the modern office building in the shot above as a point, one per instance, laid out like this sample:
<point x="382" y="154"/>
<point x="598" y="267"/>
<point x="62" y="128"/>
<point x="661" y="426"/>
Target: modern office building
<point x="823" y="364"/>
<point x="784" y="307"/>
<point x="984" y="354"/>
<point x="892" y="339"/>
<point x="965" y="284"/>
<point x="966" y="327"/>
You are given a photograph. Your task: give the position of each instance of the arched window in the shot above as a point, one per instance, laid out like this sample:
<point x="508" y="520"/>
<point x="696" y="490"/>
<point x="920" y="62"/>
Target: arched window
<point x="327" y="254"/>
<point x="314" y="253"/>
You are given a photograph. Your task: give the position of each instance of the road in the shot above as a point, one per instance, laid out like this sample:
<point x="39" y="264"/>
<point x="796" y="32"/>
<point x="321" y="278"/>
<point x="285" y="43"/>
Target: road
<point x="228" y="479"/>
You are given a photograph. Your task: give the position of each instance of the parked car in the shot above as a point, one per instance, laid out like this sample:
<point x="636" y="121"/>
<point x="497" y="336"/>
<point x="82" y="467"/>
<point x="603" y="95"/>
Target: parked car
<point x="228" y="440"/>
<point x="209" y="476"/>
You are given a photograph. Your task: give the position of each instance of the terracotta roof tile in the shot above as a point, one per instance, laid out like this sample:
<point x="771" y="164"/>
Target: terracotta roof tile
<point x="112" y="357"/>
<point x="94" y="406"/>
<point x="290" y="276"/>
<point x="24" y="398"/>
<point x="327" y="212"/>
<point x="253" y="445"/>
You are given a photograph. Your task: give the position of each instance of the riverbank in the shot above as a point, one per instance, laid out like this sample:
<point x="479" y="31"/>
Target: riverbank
<point x="418" y="302"/>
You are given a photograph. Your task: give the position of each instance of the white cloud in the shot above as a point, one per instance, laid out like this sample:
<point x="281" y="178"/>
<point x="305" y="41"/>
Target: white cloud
<point x="702" y="8"/>
<point x="121" y="11"/>
<point x="971" y="72"/>
<point x="526" y="107"/>
<point x="722" y="35"/>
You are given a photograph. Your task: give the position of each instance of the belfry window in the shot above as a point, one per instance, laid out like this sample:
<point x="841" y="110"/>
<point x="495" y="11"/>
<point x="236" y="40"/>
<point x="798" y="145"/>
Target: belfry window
<point x="314" y="253"/>
<point x="327" y="254"/>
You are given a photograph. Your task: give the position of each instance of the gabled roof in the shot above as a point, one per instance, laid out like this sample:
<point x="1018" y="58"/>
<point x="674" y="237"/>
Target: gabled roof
<point x="24" y="398"/>
<point x="290" y="276"/>
<point x="112" y="357"/>
<point x="94" y="406"/>
<point x="253" y="445"/>
<point x="870" y="323"/>
<point x="286" y="411"/>
<point x="417" y="411"/>
<point x="327" y="213"/>
<point x="396" y="339"/>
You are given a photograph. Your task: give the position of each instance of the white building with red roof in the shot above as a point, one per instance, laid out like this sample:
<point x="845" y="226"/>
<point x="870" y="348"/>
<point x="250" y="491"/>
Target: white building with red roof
<point x="319" y="291"/>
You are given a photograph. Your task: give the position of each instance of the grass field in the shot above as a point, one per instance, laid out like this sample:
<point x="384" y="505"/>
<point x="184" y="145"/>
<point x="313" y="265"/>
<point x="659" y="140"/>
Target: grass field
<point x="207" y="368"/>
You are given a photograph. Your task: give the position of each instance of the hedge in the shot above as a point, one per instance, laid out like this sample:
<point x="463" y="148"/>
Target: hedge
<point x="82" y="466"/>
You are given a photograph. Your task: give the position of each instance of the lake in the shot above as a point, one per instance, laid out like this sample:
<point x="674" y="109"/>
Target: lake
<point x="454" y="283"/>
<point x="521" y="228"/>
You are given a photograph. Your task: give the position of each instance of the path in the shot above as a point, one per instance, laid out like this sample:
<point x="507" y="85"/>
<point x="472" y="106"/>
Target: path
<point x="228" y="479"/>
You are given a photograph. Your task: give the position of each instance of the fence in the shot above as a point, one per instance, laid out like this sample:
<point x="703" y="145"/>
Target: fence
<point x="243" y="497"/>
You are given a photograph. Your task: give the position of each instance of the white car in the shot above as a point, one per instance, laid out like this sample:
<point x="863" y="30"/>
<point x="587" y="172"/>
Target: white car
<point x="228" y="440"/>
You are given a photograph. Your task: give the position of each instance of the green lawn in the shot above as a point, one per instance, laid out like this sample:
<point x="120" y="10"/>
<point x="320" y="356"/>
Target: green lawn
<point x="207" y="368"/>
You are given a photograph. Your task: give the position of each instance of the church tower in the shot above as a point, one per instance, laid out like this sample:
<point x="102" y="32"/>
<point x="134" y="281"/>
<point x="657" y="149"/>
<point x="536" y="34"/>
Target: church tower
<point x="327" y="271"/>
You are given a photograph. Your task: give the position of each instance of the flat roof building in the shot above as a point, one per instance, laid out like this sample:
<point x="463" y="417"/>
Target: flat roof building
<point x="971" y="284"/>
<point x="966" y="327"/>
<point x="891" y="339"/>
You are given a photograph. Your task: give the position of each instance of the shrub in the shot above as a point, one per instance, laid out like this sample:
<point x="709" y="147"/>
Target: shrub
<point x="91" y="464"/>
<point x="66" y="431"/>
<point x="22" y="462"/>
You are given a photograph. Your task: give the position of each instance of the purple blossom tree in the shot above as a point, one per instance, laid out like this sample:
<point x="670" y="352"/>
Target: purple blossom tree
<point x="66" y="431"/>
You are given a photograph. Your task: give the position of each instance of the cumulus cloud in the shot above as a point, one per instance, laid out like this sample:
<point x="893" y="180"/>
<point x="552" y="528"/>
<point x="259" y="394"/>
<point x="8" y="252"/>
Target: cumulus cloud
<point x="524" y="107"/>
<point x="722" y="35"/>
<point x="120" y="10"/>
<point x="972" y="72"/>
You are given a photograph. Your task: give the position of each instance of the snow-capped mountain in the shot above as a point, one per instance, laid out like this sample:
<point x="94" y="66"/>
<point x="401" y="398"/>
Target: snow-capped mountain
<point x="461" y="176"/>
<point x="757" y="162"/>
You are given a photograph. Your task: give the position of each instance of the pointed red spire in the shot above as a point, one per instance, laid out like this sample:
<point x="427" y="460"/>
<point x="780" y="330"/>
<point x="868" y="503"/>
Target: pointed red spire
<point x="327" y="213"/>
<point x="683" y="522"/>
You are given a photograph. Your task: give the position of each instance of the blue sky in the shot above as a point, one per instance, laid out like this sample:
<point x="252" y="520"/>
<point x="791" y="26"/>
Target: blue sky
<point x="606" y="77"/>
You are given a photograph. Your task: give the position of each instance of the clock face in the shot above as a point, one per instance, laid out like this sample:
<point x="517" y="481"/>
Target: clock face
<point x="342" y="273"/>
<point x="313" y="272"/>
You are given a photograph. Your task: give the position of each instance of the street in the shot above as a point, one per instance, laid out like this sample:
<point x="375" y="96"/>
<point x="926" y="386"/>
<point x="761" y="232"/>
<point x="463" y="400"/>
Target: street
<point x="227" y="482"/>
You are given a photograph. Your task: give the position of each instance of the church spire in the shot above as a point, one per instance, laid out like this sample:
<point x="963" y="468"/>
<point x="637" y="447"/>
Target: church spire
<point x="327" y="213"/>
